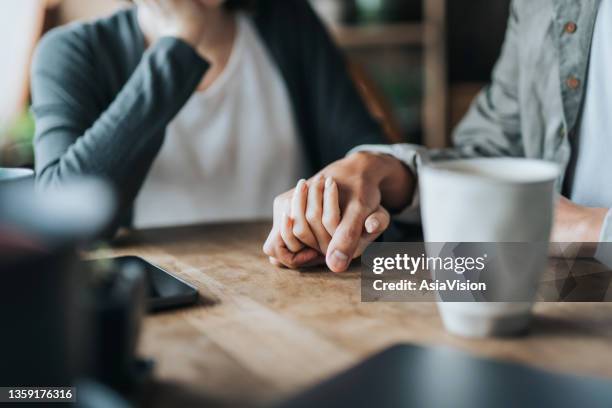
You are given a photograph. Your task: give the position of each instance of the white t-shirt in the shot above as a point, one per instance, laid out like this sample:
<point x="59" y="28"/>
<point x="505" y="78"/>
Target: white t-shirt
<point x="593" y="148"/>
<point x="230" y="150"/>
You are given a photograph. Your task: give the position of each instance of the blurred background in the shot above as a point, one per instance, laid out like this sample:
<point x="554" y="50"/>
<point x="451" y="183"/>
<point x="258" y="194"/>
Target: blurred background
<point x="418" y="63"/>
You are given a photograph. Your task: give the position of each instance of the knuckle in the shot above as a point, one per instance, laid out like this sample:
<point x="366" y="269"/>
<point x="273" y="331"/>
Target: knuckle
<point x="364" y="201"/>
<point x="360" y="159"/>
<point x="299" y="230"/>
<point x="330" y="221"/>
<point x="313" y="216"/>
<point x="361" y="204"/>
<point x="269" y="248"/>
<point x="352" y="232"/>
<point x="288" y="262"/>
<point x="266" y="249"/>
<point x="279" y="202"/>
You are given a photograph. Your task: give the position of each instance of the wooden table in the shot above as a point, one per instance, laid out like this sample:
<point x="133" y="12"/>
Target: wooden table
<point x="262" y="333"/>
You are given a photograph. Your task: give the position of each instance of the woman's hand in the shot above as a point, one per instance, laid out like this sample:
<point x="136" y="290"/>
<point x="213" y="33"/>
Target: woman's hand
<point x="184" y="19"/>
<point x="281" y="245"/>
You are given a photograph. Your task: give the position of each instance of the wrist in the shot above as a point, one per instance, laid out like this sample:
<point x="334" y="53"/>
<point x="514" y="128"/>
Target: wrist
<point x="394" y="179"/>
<point x="397" y="188"/>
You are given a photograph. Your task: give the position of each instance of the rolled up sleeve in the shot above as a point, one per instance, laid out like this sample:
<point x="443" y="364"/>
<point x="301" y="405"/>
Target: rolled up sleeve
<point x="602" y="254"/>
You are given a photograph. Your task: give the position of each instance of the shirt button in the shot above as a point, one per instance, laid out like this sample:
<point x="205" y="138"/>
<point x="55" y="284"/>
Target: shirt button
<point x="570" y="27"/>
<point x="572" y="82"/>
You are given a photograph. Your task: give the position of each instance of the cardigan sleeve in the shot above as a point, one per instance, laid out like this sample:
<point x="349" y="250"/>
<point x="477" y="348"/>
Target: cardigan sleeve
<point x="79" y="133"/>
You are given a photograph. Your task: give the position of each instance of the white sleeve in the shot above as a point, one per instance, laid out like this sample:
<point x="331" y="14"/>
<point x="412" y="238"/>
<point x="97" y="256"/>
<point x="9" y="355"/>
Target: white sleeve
<point x="412" y="156"/>
<point x="602" y="255"/>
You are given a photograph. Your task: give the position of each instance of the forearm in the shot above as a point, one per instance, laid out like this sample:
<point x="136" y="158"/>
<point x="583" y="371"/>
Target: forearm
<point x="397" y="187"/>
<point x="118" y="142"/>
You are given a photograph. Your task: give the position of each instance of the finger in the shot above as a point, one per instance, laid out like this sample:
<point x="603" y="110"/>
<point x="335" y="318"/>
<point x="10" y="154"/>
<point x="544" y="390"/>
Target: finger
<point x="301" y="229"/>
<point x="331" y="206"/>
<point x="291" y="242"/>
<point x="377" y="222"/>
<point x="319" y="260"/>
<point x="375" y="225"/>
<point x="291" y="260"/>
<point x="345" y="241"/>
<point x="278" y="254"/>
<point x="269" y="245"/>
<point x="275" y="262"/>
<point x="314" y="213"/>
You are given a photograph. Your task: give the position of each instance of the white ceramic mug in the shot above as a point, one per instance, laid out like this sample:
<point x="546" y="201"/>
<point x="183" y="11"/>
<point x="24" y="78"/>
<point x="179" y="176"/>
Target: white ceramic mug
<point x="488" y="200"/>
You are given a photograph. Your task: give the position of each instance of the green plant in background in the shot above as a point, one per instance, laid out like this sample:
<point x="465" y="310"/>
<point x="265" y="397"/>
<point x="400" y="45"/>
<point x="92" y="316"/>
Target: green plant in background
<point x="16" y="142"/>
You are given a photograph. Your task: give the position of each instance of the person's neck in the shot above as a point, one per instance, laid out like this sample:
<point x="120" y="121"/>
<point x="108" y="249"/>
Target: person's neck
<point x="217" y="43"/>
<point x="218" y="39"/>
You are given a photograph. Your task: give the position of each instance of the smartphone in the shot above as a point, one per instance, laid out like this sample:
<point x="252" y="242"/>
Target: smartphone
<point x="166" y="291"/>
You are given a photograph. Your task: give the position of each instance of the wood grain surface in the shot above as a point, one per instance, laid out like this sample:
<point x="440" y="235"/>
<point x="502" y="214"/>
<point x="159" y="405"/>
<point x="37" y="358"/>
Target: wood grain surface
<point x="262" y="333"/>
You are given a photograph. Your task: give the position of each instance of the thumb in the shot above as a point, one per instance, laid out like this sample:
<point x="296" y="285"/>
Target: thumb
<point x="375" y="225"/>
<point x="346" y="239"/>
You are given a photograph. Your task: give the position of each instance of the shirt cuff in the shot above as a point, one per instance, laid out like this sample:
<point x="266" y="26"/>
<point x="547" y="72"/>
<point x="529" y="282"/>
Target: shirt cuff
<point x="602" y="254"/>
<point x="412" y="156"/>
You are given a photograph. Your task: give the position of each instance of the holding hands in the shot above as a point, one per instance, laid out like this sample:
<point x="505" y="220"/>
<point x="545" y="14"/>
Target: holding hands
<point x="335" y="215"/>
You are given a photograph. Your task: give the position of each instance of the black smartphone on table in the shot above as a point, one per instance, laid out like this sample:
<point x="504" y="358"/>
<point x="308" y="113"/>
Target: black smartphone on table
<point x="165" y="291"/>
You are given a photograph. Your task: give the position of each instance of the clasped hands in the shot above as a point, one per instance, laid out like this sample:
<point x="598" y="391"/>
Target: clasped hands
<point x="332" y="217"/>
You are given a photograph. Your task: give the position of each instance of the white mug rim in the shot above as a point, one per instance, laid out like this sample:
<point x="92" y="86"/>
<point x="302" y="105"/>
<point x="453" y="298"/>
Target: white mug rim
<point x="548" y="171"/>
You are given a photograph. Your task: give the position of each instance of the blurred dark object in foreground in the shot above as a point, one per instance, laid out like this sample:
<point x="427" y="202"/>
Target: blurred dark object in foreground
<point x="51" y="316"/>
<point x="116" y="307"/>
<point x="411" y="376"/>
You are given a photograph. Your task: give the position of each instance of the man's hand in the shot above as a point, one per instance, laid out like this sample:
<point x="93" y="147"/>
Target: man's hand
<point x="577" y="224"/>
<point x="363" y="183"/>
<point x="184" y="19"/>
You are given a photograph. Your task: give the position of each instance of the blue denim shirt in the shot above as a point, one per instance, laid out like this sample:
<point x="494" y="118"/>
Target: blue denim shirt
<point x="532" y="106"/>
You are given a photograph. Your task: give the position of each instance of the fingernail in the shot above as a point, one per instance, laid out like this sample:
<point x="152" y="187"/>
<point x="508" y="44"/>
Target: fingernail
<point x="372" y="226"/>
<point x="338" y="260"/>
<point x="328" y="182"/>
<point x="300" y="185"/>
